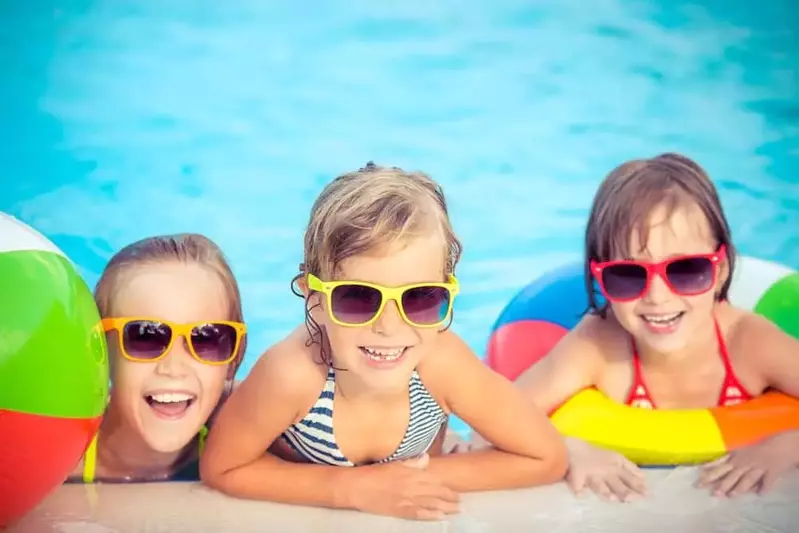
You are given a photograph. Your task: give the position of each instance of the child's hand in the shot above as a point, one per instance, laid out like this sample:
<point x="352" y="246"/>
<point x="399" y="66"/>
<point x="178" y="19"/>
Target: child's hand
<point x="609" y="474"/>
<point x="403" y="489"/>
<point x="752" y="469"/>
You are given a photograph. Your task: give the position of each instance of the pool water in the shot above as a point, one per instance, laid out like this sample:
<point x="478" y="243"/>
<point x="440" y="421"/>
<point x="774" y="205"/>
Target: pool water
<point x="130" y="118"/>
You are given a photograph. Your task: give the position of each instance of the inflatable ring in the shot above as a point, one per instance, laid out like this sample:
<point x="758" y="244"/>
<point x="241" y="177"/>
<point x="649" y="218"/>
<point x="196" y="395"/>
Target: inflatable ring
<point x="535" y="320"/>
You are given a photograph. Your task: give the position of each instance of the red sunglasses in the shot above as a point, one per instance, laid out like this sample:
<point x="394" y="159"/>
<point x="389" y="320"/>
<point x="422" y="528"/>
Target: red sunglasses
<point x="686" y="275"/>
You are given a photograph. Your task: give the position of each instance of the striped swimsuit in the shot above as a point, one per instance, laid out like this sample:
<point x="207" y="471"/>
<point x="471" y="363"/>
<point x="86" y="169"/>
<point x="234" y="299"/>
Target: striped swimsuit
<point x="312" y="437"/>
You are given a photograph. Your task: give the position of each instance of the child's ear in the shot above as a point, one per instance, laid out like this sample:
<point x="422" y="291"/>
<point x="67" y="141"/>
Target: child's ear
<point x="723" y="275"/>
<point x="299" y="283"/>
<point x="302" y="285"/>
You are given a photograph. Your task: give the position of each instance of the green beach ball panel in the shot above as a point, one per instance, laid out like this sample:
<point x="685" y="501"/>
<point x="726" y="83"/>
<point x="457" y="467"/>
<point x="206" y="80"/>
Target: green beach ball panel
<point x="53" y="354"/>
<point x="780" y="304"/>
<point x="752" y="278"/>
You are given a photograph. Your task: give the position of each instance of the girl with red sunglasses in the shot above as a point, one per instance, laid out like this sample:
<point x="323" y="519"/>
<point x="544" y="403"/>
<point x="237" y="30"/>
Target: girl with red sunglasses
<point x="660" y="332"/>
<point x="353" y="404"/>
<point x="172" y="315"/>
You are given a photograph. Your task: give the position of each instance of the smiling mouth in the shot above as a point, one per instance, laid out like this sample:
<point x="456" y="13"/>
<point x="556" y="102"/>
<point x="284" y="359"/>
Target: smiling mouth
<point x="663" y="321"/>
<point x="380" y="355"/>
<point x="170" y="405"/>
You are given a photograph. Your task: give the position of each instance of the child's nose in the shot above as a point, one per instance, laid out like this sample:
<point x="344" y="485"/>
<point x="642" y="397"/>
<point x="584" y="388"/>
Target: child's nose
<point x="659" y="291"/>
<point x="389" y="320"/>
<point x="174" y="364"/>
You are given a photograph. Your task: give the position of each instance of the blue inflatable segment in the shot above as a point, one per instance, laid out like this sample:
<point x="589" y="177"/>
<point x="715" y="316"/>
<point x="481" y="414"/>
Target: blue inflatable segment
<point x="558" y="297"/>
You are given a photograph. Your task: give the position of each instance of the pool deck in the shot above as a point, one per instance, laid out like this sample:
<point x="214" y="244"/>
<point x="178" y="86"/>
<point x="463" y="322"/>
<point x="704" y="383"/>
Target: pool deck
<point x="674" y="507"/>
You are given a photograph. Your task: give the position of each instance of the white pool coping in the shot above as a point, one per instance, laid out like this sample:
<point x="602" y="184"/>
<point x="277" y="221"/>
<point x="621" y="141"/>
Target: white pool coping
<point x="674" y="507"/>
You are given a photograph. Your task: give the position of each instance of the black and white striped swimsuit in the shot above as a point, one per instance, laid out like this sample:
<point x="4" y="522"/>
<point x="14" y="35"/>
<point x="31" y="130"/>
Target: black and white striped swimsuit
<point x="312" y="437"/>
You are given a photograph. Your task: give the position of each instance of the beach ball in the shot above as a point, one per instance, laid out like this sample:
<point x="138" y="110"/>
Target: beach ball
<point x="768" y="289"/>
<point x="537" y="318"/>
<point x="53" y="368"/>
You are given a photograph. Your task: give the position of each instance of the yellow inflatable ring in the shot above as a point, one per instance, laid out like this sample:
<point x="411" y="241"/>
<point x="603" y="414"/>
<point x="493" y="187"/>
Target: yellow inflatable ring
<point x="670" y="437"/>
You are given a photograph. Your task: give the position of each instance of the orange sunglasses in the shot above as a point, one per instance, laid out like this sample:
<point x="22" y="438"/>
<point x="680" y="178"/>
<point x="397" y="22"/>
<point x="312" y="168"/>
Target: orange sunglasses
<point x="146" y="340"/>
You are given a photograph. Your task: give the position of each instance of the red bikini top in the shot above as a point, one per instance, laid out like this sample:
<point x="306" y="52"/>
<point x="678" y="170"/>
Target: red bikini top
<point x="732" y="392"/>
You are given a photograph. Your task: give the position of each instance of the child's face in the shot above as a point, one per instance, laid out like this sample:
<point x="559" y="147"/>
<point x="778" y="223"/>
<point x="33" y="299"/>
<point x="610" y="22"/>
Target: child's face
<point x="647" y="318"/>
<point x="188" y="390"/>
<point x="383" y="354"/>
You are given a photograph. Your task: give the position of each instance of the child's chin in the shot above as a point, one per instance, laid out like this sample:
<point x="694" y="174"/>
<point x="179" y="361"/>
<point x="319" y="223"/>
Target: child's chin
<point x="171" y="437"/>
<point x="172" y="443"/>
<point x="666" y="344"/>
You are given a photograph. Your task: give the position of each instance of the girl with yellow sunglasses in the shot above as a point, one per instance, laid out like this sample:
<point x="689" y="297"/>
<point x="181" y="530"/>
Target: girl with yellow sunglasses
<point x="353" y="403"/>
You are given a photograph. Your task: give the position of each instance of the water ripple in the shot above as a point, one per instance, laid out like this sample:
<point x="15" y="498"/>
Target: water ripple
<point x="142" y="117"/>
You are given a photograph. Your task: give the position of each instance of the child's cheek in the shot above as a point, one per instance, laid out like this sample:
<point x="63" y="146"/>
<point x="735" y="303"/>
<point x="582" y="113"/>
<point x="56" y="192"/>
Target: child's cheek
<point x="212" y="384"/>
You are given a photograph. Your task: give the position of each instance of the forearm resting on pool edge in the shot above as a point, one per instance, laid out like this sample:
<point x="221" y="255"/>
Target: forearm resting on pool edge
<point x="492" y="469"/>
<point x="274" y="479"/>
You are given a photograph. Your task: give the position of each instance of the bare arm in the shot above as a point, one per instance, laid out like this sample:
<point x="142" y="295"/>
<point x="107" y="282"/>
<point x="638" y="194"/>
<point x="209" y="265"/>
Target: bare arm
<point x="781" y="369"/>
<point x="527" y="449"/>
<point x="268" y="401"/>
<point x="572" y="365"/>
<point x="778" y="355"/>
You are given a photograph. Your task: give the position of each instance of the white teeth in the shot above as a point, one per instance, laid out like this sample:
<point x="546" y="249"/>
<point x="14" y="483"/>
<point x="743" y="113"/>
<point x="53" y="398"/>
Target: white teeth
<point x="170" y="397"/>
<point x="662" y="319"/>
<point x="384" y="354"/>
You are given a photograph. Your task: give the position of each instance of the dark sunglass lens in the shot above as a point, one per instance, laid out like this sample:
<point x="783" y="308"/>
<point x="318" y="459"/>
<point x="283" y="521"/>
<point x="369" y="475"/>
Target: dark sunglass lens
<point x="214" y="342"/>
<point x="690" y="276"/>
<point x="426" y="305"/>
<point x="624" y="281"/>
<point x="355" y="304"/>
<point x="146" y="339"/>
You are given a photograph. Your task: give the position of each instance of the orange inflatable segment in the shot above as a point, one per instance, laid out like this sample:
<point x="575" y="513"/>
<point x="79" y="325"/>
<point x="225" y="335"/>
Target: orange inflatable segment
<point x="756" y="419"/>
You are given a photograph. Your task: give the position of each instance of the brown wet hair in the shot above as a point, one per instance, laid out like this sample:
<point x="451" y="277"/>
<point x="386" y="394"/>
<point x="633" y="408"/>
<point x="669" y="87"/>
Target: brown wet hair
<point x="625" y="200"/>
<point x="363" y="210"/>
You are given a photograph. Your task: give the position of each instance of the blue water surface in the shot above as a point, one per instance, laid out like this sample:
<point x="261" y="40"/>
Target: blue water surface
<point x="130" y="118"/>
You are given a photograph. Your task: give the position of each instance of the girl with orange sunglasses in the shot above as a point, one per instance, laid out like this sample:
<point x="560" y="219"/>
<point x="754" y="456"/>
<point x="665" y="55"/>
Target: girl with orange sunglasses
<point x="352" y="403"/>
<point x="172" y="314"/>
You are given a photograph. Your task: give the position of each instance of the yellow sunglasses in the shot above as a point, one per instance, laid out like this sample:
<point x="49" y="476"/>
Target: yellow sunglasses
<point x="357" y="303"/>
<point x="147" y="340"/>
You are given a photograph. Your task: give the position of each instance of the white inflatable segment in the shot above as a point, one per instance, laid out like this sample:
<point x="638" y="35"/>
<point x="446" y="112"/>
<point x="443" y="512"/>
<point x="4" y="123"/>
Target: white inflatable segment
<point x="752" y="278"/>
<point x="17" y="236"/>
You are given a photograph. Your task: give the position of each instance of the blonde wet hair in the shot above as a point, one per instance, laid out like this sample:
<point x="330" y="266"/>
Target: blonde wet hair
<point x="370" y="208"/>
<point x="190" y="248"/>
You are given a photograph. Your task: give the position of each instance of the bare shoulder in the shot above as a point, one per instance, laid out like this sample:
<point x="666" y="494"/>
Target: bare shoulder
<point x="595" y="341"/>
<point x="450" y="349"/>
<point x="450" y="357"/>
<point x="749" y="334"/>
<point x="450" y="344"/>
<point x="743" y="326"/>
<point x="290" y="367"/>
